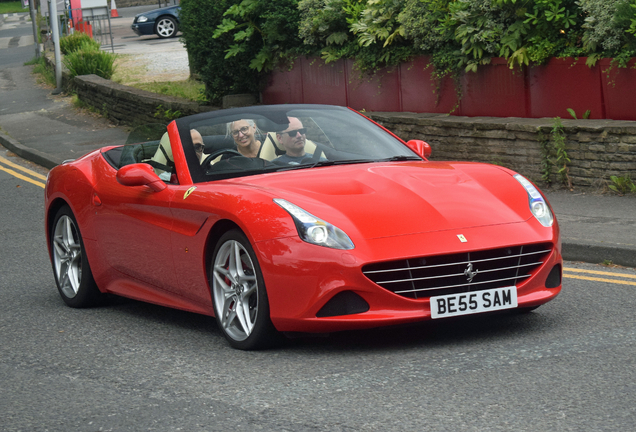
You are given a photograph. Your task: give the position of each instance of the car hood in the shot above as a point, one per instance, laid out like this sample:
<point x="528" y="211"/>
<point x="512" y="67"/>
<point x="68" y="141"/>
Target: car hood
<point x="382" y="200"/>
<point x="156" y="12"/>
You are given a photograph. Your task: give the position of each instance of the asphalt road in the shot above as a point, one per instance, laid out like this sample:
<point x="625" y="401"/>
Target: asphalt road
<point x="129" y="366"/>
<point x="569" y="365"/>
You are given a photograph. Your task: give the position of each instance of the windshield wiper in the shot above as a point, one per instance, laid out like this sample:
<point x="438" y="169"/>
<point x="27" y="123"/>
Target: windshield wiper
<point x="325" y="163"/>
<point x="322" y="163"/>
<point x="401" y="158"/>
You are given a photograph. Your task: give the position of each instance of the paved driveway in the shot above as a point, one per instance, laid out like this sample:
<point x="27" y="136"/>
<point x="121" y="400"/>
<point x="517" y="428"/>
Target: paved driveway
<point x="164" y="59"/>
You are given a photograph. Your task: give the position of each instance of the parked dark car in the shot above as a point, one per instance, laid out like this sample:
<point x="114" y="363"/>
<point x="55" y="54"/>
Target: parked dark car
<point x="163" y="22"/>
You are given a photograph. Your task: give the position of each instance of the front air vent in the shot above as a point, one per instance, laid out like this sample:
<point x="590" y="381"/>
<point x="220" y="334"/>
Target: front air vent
<point x="456" y="273"/>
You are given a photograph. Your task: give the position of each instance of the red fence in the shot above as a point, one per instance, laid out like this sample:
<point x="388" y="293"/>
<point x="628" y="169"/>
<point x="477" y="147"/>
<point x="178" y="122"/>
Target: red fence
<point x="494" y="90"/>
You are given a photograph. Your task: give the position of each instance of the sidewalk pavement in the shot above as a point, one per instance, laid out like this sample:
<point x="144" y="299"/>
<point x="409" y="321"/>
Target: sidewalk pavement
<point x="47" y="130"/>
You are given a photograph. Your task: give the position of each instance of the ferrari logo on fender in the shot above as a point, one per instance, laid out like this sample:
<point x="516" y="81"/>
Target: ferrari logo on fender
<point x="461" y="238"/>
<point x="188" y="192"/>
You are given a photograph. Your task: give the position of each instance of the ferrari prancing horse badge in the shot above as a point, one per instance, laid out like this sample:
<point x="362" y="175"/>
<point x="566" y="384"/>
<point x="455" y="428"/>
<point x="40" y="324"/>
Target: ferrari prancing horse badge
<point x="188" y="192"/>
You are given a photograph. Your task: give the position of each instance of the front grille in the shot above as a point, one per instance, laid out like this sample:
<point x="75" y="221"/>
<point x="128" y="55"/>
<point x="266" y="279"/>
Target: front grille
<point x="451" y="274"/>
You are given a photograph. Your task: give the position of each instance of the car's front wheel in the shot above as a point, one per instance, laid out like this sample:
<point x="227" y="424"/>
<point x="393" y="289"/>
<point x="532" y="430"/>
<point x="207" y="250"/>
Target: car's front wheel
<point x="238" y="290"/>
<point x="166" y="27"/>
<point x="70" y="264"/>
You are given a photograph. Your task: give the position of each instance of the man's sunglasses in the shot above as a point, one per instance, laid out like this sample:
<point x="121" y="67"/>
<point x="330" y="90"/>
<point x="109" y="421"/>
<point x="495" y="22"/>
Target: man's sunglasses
<point x="199" y="148"/>
<point x="242" y="130"/>
<point x="292" y="133"/>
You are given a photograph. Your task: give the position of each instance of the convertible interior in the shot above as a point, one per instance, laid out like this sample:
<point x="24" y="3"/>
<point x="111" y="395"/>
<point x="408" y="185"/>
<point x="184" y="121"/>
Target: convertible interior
<point x="143" y="152"/>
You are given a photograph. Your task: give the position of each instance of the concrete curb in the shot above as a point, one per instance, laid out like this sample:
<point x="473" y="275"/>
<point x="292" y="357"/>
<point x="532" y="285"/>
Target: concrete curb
<point x="597" y="254"/>
<point x="32" y="155"/>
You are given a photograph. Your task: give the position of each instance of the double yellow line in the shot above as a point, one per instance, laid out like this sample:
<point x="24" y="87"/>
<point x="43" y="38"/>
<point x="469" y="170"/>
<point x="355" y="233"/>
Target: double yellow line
<point x="572" y="273"/>
<point x="4" y="163"/>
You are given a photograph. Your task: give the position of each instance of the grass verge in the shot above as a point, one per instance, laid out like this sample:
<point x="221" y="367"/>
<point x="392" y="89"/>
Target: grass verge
<point x="12" y="7"/>
<point x="133" y="72"/>
<point x="46" y="75"/>
<point x="188" y="89"/>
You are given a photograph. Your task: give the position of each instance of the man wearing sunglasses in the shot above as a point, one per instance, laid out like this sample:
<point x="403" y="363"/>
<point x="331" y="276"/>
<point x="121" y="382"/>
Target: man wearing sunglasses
<point x="293" y="139"/>
<point x="197" y="141"/>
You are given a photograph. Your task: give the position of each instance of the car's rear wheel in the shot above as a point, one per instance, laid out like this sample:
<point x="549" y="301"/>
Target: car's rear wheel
<point x="166" y="27"/>
<point x="72" y="272"/>
<point x="238" y="290"/>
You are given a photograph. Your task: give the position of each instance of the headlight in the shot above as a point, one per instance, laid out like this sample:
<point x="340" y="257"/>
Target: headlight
<point x="538" y="206"/>
<point x="142" y="19"/>
<point x="314" y="230"/>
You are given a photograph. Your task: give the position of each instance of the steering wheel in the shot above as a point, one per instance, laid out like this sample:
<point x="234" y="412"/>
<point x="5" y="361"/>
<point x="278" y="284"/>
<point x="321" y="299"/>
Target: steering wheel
<point x="229" y="151"/>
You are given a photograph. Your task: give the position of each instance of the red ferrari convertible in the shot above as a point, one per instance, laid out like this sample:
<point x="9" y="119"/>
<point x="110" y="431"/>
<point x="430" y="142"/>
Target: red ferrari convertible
<point x="297" y="218"/>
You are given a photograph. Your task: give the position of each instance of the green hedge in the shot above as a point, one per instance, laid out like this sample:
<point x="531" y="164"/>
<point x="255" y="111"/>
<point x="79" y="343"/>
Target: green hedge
<point x="233" y="43"/>
<point x="82" y="56"/>
<point x="76" y="42"/>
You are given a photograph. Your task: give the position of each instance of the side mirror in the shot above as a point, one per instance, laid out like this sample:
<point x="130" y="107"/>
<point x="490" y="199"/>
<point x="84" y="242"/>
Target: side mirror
<point x="140" y="174"/>
<point x="420" y="147"/>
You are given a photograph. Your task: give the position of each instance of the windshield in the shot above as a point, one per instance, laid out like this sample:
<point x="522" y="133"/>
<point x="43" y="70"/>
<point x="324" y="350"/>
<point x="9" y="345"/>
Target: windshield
<point x="254" y="140"/>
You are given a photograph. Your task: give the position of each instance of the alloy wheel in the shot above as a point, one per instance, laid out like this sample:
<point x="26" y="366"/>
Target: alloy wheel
<point x="67" y="256"/>
<point x="166" y="28"/>
<point x="235" y="289"/>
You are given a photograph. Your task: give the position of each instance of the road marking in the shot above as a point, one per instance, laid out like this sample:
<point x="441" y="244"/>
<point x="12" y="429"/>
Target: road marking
<point x="22" y="42"/>
<point x="21" y="168"/>
<point x="20" y="176"/>
<point x="597" y="279"/>
<point x="600" y="280"/>
<point x="599" y="272"/>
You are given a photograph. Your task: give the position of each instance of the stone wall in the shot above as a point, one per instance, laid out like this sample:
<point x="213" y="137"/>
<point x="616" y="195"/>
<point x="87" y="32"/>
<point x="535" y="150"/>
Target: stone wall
<point x="597" y="148"/>
<point x="129" y="105"/>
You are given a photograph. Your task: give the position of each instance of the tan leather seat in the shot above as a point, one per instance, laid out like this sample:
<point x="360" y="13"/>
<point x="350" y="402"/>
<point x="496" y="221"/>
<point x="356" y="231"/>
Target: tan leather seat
<point x="162" y="161"/>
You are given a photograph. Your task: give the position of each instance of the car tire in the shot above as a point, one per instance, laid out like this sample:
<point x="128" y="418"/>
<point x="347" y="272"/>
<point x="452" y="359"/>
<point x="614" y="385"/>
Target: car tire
<point x="71" y="269"/>
<point x="166" y="27"/>
<point x="240" y="300"/>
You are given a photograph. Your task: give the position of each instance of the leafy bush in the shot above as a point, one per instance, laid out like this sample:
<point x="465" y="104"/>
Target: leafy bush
<point x="76" y="42"/>
<point x="379" y="23"/>
<point x="368" y="31"/>
<point x="324" y="23"/>
<point x="90" y="61"/>
<point x="233" y="43"/>
<point x="271" y="27"/>
<point x="222" y="76"/>
<point x="609" y="29"/>
<point x="422" y="20"/>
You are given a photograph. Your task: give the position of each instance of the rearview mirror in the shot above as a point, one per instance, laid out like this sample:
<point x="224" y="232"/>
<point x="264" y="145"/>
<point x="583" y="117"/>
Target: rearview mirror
<point x="140" y="174"/>
<point x="420" y="147"/>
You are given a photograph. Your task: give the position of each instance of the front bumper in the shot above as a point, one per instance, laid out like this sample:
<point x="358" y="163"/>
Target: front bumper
<point x="143" y="29"/>
<point x="299" y="288"/>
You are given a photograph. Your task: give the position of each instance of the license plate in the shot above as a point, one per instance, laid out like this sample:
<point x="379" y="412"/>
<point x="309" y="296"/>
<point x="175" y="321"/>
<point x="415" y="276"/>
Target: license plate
<point x="473" y="302"/>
